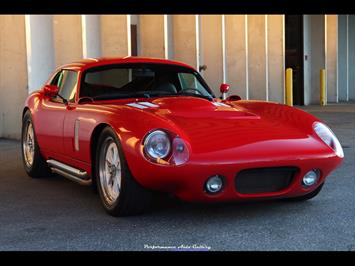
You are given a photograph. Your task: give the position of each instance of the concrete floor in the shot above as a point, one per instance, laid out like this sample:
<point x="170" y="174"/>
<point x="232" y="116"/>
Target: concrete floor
<point x="56" y="214"/>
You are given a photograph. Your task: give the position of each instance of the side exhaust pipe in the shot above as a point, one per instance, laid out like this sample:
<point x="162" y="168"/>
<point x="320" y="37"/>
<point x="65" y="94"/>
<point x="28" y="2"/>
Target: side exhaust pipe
<point x="70" y="172"/>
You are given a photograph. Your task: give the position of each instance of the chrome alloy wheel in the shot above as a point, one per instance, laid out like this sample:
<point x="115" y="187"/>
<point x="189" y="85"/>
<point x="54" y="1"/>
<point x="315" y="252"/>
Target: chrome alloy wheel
<point x="110" y="170"/>
<point x="28" y="145"/>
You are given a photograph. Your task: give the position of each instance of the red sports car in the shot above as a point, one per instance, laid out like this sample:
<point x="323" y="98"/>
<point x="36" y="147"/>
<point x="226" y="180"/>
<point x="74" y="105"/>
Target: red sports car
<point x="134" y="125"/>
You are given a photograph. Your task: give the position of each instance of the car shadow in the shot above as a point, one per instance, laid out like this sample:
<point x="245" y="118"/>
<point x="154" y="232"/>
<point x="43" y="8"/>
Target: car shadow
<point x="163" y="204"/>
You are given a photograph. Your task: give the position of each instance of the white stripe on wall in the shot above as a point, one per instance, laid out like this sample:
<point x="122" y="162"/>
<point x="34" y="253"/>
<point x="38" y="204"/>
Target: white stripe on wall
<point x="246" y="57"/>
<point x="224" y="66"/>
<point x="266" y="62"/>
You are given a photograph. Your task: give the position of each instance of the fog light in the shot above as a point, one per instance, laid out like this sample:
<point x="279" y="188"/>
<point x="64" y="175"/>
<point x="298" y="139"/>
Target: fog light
<point x="214" y="184"/>
<point x="311" y="177"/>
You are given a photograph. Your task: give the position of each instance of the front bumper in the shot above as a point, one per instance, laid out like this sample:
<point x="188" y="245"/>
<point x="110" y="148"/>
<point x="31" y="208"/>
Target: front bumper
<point x="187" y="181"/>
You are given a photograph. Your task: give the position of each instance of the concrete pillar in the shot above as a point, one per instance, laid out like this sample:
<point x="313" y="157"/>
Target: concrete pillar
<point x="276" y="57"/>
<point x="317" y="54"/>
<point x="153" y="36"/>
<point x="314" y="47"/>
<point x="40" y="49"/>
<point x="185" y="32"/>
<point x="91" y="35"/>
<point x="135" y="21"/>
<point x="257" y="53"/>
<point x="13" y="74"/>
<point x="351" y="54"/>
<point x="237" y="54"/>
<point x="67" y="38"/>
<point x="116" y="35"/>
<point x="307" y="64"/>
<point x="342" y="58"/>
<point x="331" y="46"/>
<point x="211" y="51"/>
<point x="169" y="36"/>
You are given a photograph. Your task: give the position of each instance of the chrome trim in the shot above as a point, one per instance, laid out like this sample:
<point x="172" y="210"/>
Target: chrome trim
<point x="76" y="134"/>
<point x="69" y="172"/>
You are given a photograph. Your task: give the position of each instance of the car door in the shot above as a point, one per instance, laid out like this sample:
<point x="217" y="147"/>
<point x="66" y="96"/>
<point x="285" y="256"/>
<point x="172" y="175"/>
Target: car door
<point x="78" y="125"/>
<point x="49" y="129"/>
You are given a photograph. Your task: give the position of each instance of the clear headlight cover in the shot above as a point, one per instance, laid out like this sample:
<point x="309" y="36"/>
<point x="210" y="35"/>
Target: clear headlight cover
<point x="180" y="152"/>
<point x="328" y="137"/>
<point x="157" y="145"/>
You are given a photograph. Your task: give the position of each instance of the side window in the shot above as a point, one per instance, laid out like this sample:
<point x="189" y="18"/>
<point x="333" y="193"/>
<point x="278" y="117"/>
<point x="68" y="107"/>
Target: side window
<point x="66" y="80"/>
<point x="56" y="78"/>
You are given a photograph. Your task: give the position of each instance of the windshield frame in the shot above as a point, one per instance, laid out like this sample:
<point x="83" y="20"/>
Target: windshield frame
<point x="147" y="65"/>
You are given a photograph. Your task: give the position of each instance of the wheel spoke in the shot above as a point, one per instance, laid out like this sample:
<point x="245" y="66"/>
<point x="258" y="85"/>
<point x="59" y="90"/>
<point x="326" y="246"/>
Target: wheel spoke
<point x="109" y="156"/>
<point x="29" y="145"/>
<point x="115" y="155"/>
<point x="110" y="171"/>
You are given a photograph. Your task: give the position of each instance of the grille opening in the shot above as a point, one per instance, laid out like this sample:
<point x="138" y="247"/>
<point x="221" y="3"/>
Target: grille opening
<point x="263" y="180"/>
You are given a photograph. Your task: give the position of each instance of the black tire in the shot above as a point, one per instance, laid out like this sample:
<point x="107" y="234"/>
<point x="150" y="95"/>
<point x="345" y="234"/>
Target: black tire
<point x="307" y="196"/>
<point x="133" y="199"/>
<point x="38" y="168"/>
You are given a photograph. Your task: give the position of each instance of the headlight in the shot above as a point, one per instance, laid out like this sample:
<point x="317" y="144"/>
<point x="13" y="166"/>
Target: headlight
<point x="165" y="147"/>
<point x="328" y="137"/>
<point x="157" y="145"/>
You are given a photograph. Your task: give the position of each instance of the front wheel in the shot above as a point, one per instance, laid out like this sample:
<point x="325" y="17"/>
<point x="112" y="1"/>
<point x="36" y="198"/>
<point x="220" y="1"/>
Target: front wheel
<point x="120" y="194"/>
<point x="34" y="164"/>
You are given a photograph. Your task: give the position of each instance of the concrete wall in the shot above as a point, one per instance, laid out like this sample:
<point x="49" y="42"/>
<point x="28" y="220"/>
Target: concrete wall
<point x="13" y="74"/>
<point x="211" y="50"/>
<point x="237" y="54"/>
<point x="276" y="57"/>
<point x="314" y="47"/>
<point x="332" y="57"/>
<point x="245" y="51"/>
<point x="152" y="38"/>
<point x="91" y="28"/>
<point x="40" y="49"/>
<point x="67" y="38"/>
<point x="351" y="50"/>
<point x="318" y="54"/>
<point x="307" y="63"/>
<point x="115" y="35"/>
<point x="342" y="58"/>
<point x="185" y="39"/>
<point x="257" y="64"/>
<point x="169" y="37"/>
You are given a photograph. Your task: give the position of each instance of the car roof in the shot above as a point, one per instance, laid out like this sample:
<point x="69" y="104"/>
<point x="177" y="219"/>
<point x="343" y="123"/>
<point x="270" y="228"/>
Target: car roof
<point x="87" y="63"/>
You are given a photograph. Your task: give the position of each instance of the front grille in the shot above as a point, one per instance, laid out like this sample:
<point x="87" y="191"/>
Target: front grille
<point x="263" y="180"/>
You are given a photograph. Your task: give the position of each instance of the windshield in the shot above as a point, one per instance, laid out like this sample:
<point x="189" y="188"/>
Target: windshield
<point x="142" y="80"/>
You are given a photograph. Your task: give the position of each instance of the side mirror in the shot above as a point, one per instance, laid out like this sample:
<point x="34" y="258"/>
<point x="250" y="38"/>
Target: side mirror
<point x="233" y="98"/>
<point x="51" y="90"/>
<point x="203" y="67"/>
<point x="224" y="88"/>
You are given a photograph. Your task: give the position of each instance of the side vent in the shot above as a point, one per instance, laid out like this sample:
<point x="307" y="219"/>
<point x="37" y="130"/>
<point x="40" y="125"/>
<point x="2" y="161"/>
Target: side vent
<point x="76" y="135"/>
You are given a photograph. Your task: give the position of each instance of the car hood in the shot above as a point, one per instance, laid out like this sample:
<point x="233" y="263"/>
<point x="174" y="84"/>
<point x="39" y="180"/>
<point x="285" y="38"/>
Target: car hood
<point x="215" y="126"/>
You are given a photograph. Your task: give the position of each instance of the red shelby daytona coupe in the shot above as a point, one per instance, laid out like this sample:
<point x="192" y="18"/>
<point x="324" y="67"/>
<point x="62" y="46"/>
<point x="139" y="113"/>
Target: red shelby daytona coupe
<point x="132" y="125"/>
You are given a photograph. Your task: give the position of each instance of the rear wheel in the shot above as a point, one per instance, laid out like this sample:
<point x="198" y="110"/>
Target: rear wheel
<point x="34" y="164"/>
<point x="120" y="194"/>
